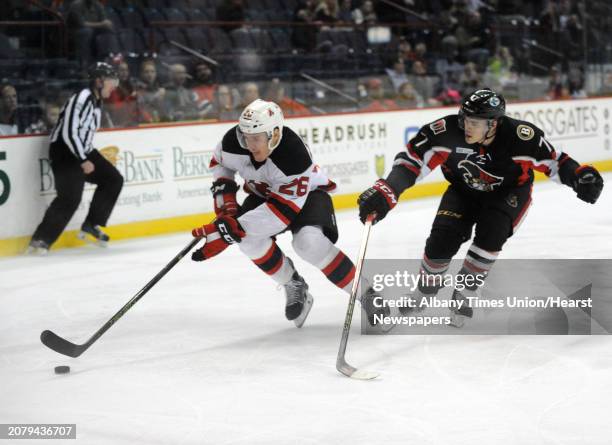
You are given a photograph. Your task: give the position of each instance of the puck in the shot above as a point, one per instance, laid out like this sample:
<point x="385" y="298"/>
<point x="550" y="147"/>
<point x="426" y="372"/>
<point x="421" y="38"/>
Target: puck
<point x="62" y="369"/>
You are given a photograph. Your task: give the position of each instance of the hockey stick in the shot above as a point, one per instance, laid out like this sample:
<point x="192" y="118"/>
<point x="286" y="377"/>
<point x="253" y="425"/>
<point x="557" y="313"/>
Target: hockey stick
<point x="341" y="364"/>
<point x="63" y="346"/>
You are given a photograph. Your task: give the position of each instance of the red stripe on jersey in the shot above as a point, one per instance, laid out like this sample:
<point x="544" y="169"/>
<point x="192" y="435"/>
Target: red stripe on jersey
<point x="266" y="256"/>
<point x="438" y="158"/>
<point x="287" y="202"/>
<point x="278" y="214"/>
<point x="520" y="216"/>
<point x="412" y="168"/>
<point x="213" y="162"/>
<point x="276" y="266"/>
<point x="331" y="266"/>
<point x="347" y="279"/>
<point x="525" y="167"/>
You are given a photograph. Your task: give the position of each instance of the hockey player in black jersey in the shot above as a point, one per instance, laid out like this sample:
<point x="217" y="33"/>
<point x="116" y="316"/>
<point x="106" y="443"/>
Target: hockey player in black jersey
<point x="287" y="191"/>
<point x="488" y="158"/>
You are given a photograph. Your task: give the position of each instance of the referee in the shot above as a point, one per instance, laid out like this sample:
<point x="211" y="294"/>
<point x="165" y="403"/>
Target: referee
<point x="74" y="161"/>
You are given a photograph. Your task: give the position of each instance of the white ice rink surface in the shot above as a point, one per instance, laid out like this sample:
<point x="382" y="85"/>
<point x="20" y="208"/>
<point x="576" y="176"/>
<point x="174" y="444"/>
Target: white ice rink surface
<point x="207" y="356"/>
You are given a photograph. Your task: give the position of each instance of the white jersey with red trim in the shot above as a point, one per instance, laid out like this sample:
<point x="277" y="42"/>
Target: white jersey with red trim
<point x="284" y="180"/>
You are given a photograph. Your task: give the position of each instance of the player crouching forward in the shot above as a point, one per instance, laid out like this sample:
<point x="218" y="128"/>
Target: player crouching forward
<point x="489" y="159"/>
<point x="287" y="191"/>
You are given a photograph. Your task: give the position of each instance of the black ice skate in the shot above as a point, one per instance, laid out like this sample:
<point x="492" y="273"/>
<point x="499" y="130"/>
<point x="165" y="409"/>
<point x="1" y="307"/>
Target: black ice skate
<point x="37" y="247"/>
<point x="373" y="311"/>
<point x="299" y="300"/>
<point x="459" y="316"/>
<point x="93" y="235"/>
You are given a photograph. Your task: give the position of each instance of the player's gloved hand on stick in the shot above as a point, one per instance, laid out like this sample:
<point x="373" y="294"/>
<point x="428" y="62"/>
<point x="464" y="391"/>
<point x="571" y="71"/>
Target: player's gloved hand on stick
<point x="588" y="183"/>
<point x="219" y="234"/>
<point x="379" y="199"/>
<point x="224" y="196"/>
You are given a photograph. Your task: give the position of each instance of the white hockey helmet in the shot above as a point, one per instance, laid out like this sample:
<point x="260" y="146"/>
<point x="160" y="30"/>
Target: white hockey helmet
<point x="258" y="117"/>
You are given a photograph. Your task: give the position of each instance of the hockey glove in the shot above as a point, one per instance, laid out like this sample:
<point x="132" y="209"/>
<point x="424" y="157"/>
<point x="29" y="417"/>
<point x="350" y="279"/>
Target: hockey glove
<point x="219" y="234"/>
<point x="379" y="198"/>
<point x="224" y="197"/>
<point x="588" y="183"/>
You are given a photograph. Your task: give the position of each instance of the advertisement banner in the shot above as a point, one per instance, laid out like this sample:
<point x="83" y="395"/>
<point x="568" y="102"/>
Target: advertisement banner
<point x="166" y="168"/>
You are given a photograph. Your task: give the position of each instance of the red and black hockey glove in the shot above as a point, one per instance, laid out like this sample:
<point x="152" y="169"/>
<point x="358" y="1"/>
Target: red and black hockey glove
<point x="379" y="198"/>
<point x="588" y="183"/>
<point x="219" y="234"/>
<point x="224" y="197"/>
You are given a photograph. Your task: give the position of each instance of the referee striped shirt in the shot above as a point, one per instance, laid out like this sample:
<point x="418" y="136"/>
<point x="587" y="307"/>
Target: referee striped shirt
<point x="77" y="123"/>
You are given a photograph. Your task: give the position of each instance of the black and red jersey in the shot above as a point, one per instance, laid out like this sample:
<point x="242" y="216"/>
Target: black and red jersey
<point x="519" y="148"/>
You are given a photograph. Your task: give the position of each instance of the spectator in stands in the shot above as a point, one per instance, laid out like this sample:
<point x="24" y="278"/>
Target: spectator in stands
<point x="13" y="120"/>
<point x="290" y="107"/>
<point x="230" y="11"/>
<point x="347" y="14"/>
<point x="122" y="104"/>
<point x="181" y="101"/>
<point x="555" y="83"/>
<point x="204" y="85"/>
<point x="470" y="79"/>
<point x="326" y="11"/>
<point x="86" y="19"/>
<point x="376" y="100"/>
<point x="446" y="96"/>
<point x="408" y="97"/>
<point x="150" y="94"/>
<point x="368" y="13"/>
<point x="404" y="50"/>
<point x="420" y="54"/>
<point x="225" y="108"/>
<point x="250" y="92"/>
<point x="46" y="123"/>
<point x="423" y="84"/>
<point x="304" y="37"/>
<point x="501" y="64"/>
<point x="575" y="83"/>
<point x="397" y="74"/>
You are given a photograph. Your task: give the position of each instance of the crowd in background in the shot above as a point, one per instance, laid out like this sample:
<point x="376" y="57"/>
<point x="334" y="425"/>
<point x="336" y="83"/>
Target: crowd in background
<point x="468" y="51"/>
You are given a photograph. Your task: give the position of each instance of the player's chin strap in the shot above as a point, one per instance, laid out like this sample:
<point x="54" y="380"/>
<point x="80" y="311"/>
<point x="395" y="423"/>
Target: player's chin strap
<point x="488" y="136"/>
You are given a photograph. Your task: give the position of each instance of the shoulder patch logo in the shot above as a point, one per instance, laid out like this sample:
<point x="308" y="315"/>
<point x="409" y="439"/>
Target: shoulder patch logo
<point x="438" y="126"/>
<point x="525" y="132"/>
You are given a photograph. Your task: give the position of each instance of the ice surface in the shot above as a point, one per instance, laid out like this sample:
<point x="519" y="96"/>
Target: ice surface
<point x="207" y="356"/>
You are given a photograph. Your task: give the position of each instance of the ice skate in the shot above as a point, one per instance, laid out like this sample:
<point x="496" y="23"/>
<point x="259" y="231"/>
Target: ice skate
<point x="37" y="247"/>
<point x="299" y="300"/>
<point x="93" y="235"/>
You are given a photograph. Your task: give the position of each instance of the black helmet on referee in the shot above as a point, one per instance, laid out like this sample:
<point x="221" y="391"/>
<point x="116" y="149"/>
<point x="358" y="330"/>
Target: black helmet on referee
<point x="482" y="104"/>
<point x="102" y="70"/>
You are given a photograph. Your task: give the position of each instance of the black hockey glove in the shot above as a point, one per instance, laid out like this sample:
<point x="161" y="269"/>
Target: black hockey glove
<point x="588" y="183"/>
<point x="379" y="198"/>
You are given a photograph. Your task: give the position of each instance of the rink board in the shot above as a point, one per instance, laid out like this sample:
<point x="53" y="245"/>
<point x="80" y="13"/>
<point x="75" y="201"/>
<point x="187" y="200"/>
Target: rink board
<point x="167" y="179"/>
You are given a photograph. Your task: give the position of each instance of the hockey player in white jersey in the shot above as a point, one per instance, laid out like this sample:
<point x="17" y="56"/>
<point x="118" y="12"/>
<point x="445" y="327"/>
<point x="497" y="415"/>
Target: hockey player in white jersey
<point x="286" y="191"/>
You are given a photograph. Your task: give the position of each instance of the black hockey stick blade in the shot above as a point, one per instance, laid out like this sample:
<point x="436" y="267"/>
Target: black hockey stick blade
<point x="58" y="344"/>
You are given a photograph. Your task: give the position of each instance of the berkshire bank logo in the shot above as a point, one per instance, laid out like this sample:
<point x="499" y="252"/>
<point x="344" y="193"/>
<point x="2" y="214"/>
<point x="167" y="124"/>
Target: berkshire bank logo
<point x="138" y="169"/>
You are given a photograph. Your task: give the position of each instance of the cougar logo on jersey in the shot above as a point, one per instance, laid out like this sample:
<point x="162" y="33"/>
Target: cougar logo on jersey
<point x="477" y="178"/>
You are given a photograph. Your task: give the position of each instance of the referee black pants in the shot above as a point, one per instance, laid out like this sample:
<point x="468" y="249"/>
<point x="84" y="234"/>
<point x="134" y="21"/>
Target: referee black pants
<point x="69" y="182"/>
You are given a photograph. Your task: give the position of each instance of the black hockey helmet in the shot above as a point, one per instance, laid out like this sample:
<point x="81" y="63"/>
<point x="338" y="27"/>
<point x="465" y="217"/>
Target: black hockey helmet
<point x="482" y="104"/>
<point x="102" y="70"/>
